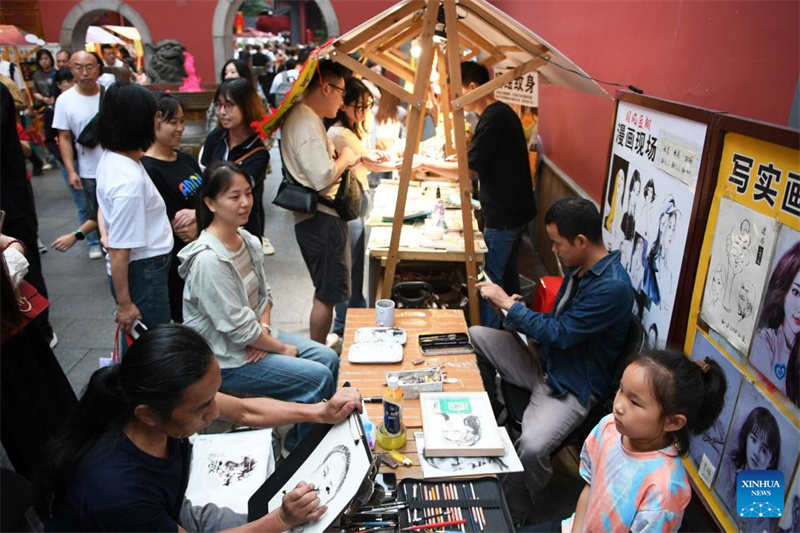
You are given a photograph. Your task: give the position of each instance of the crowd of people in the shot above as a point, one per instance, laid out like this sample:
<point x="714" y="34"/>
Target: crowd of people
<point x="184" y="241"/>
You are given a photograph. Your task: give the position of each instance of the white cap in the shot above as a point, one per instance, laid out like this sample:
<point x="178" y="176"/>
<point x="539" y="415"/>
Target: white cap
<point x="393" y="382"/>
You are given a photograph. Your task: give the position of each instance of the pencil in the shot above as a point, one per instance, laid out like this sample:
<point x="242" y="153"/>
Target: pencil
<point x="469" y="509"/>
<point x="480" y="509"/>
<point x="438" y="524"/>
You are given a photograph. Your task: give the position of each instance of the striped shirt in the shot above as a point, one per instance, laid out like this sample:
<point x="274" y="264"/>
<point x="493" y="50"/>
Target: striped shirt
<point x="244" y="266"/>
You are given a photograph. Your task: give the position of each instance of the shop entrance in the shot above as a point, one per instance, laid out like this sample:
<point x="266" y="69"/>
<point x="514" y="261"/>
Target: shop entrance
<point x="96" y="14"/>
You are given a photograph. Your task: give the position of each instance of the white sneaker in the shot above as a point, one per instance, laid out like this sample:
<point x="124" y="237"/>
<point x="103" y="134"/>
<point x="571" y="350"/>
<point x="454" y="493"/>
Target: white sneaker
<point x="95" y="252"/>
<point x="267" y="246"/>
<point x="54" y="341"/>
<point x="41" y="246"/>
<point x="334" y="342"/>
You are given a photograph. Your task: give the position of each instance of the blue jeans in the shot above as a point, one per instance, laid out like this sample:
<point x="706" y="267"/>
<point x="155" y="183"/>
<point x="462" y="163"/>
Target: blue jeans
<point x="92" y="238"/>
<point x="501" y="265"/>
<point x="148" y="281"/>
<point x="308" y="378"/>
<point x="357" y="231"/>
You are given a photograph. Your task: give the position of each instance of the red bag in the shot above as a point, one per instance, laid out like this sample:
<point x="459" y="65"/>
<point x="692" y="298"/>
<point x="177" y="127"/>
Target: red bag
<point x="30" y="303"/>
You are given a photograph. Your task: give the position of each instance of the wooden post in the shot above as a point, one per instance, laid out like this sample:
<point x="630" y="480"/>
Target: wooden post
<point x="454" y="66"/>
<point x="444" y="83"/>
<point x="421" y="81"/>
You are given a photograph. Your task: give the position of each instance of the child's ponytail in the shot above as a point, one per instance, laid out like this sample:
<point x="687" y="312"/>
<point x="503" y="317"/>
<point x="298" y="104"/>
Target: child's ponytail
<point x="714" y="386"/>
<point x="695" y="390"/>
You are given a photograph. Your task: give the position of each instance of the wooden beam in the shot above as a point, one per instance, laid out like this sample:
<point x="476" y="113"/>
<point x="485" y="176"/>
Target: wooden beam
<point x="504" y="24"/>
<point x="498" y="82"/>
<point x="478" y="39"/>
<point x="375" y="26"/>
<point x="394" y="66"/>
<point x="454" y="66"/>
<point x="400" y="55"/>
<point x="369" y="74"/>
<point x="405" y="35"/>
<point x="491" y="61"/>
<point x="412" y="141"/>
<point x="444" y="83"/>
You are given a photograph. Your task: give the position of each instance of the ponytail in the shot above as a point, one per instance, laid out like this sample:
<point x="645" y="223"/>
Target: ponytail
<point x="682" y="387"/>
<point x="155" y="372"/>
<point x="101" y="414"/>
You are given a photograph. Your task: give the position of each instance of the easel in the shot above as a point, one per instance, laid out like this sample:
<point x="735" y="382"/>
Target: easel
<point x="465" y="24"/>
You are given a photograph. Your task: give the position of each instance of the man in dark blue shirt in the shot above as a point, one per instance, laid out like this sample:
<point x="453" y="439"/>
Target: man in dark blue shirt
<point x="579" y="343"/>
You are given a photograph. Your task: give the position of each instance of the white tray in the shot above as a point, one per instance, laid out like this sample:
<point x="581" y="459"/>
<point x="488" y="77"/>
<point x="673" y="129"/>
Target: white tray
<point x="388" y="335"/>
<point x="375" y="352"/>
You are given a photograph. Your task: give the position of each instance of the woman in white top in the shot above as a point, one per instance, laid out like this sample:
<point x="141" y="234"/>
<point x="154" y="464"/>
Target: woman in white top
<point x="348" y="131"/>
<point x="134" y="214"/>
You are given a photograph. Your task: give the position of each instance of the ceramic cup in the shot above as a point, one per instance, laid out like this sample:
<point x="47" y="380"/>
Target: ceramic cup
<point x="384" y="313"/>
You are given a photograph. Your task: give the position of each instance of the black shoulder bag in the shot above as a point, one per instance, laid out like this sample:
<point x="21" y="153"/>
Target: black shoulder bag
<point x="88" y="136"/>
<point x="294" y="196"/>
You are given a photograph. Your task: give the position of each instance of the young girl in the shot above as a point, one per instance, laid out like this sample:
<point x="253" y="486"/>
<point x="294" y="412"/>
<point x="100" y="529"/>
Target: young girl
<point x="635" y="480"/>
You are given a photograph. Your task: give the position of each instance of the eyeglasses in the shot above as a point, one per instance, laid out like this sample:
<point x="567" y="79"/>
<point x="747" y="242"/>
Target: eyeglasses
<point x="337" y="88"/>
<point x="84" y="68"/>
<point x="361" y="108"/>
<point x="227" y="106"/>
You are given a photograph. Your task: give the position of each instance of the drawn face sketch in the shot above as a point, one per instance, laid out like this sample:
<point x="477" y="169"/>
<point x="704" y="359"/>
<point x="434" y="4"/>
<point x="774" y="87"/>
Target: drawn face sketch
<point x="717" y="285"/>
<point x="330" y="474"/>
<point x="739" y="255"/>
<point x="459" y="464"/>
<point x="747" y="293"/>
<point x="461" y="430"/>
<point x="759" y="455"/>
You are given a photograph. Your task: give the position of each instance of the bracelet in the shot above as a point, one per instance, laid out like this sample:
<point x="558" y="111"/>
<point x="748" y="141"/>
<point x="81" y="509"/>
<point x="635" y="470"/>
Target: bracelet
<point x="24" y="248"/>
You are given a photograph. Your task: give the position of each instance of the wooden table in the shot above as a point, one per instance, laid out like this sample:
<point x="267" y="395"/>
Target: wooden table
<point x="370" y="379"/>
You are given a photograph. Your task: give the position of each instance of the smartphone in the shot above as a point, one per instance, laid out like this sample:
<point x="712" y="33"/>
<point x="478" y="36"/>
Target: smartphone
<point x="138" y="329"/>
<point x="483" y="276"/>
<point x="2" y="220"/>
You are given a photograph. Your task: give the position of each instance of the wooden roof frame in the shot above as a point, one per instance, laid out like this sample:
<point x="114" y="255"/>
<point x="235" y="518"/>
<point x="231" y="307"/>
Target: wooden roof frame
<point x="379" y="40"/>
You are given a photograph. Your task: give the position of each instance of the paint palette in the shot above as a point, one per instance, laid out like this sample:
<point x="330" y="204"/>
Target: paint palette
<point x="391" y="335"/>
<point x="375" y="352"/>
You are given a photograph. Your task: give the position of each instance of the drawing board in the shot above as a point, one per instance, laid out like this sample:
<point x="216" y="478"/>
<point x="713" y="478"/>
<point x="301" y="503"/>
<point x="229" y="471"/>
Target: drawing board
<point x="335" y="459"/>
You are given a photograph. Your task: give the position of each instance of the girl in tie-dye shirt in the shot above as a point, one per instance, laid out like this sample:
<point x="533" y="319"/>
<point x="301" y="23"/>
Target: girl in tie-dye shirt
<point x="631" y="460"/>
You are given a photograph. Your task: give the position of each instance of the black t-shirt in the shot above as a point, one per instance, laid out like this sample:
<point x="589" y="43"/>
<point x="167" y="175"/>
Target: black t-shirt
<point x="499" y="154"/>
<point x="177" y="181"/>
<point x="119" y="487"/>
<point x="255" y="164"/>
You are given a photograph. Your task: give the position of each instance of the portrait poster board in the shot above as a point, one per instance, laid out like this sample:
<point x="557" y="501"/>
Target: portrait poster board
<point x="740" y="258"/>
<point x="757" y="172"/>
<point x="335" y="459"/>
<point x="761" y="437"/>
<point x="460" y="424"/>
<point x="705" y="449"/>
<point x="653" y="172"/>
<point x="227" y="468"/>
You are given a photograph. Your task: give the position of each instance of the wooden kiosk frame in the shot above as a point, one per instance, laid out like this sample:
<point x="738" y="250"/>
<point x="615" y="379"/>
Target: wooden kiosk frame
<point x="454" y="30"/>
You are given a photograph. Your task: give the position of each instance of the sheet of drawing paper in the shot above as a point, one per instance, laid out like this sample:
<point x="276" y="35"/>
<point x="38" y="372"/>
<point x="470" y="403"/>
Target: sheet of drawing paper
<point x="440" y="467"/>
<point x="337" y="468"/>
<point x="227" y="468"/>
<point x="740" y="257"/>
<point x="779" y="319"/>
<point x="761" y="437"/>
<point x="706" y="448"/>
<point x="655" y="160"/>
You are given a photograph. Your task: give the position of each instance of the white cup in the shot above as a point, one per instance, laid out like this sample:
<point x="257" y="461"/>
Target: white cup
<point x="384" y="313"/>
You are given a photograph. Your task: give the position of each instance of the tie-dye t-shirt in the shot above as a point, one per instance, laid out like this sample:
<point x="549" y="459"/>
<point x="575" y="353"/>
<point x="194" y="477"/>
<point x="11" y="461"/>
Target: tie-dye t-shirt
<point x="630" y="491"/>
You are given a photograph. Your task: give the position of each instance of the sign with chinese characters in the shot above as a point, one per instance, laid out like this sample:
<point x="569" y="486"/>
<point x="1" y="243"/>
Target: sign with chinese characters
<point x="762" y="176"/>
<point x="521" y="91"/>
<point x="655" y="159"/>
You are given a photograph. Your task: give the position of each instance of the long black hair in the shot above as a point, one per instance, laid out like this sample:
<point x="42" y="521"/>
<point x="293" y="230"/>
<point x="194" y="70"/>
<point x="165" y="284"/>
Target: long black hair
<point x="155" y="371"/>
<point x="354" y="91"/>
<point x="126" y="120"/>
<point x="243" y="94"/>
<point x="682" y="387"/>
<point x="217" y="179"/>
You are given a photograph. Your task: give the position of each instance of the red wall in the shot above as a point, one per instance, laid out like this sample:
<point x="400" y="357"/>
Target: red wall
<point x="740" y="57"/>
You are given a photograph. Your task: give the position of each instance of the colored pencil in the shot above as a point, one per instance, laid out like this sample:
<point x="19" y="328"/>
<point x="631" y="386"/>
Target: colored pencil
<point x="437" y="524"/>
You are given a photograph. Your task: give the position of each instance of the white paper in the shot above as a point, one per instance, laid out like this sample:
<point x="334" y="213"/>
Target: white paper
<point x="227" y="468"/>
<point x="337" y="467"/>
<point x="461" y="423"/>
<point x="439" y="467"/>
<point x="740" y="259"/>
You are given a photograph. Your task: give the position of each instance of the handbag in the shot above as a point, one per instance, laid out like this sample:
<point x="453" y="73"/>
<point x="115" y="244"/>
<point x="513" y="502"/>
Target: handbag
<point x="31" y="303"/>
<point x="294" y="196"/>
<point x="347" y="201"/>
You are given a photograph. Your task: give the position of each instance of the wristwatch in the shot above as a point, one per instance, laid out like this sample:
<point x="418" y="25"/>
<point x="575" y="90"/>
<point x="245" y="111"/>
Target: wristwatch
<point x="267" y="327"/>
<point x="79" y="234"/>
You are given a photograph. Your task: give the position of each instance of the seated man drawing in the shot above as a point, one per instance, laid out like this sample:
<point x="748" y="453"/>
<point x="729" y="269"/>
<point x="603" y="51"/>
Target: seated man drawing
<point x="579" y="343"/>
